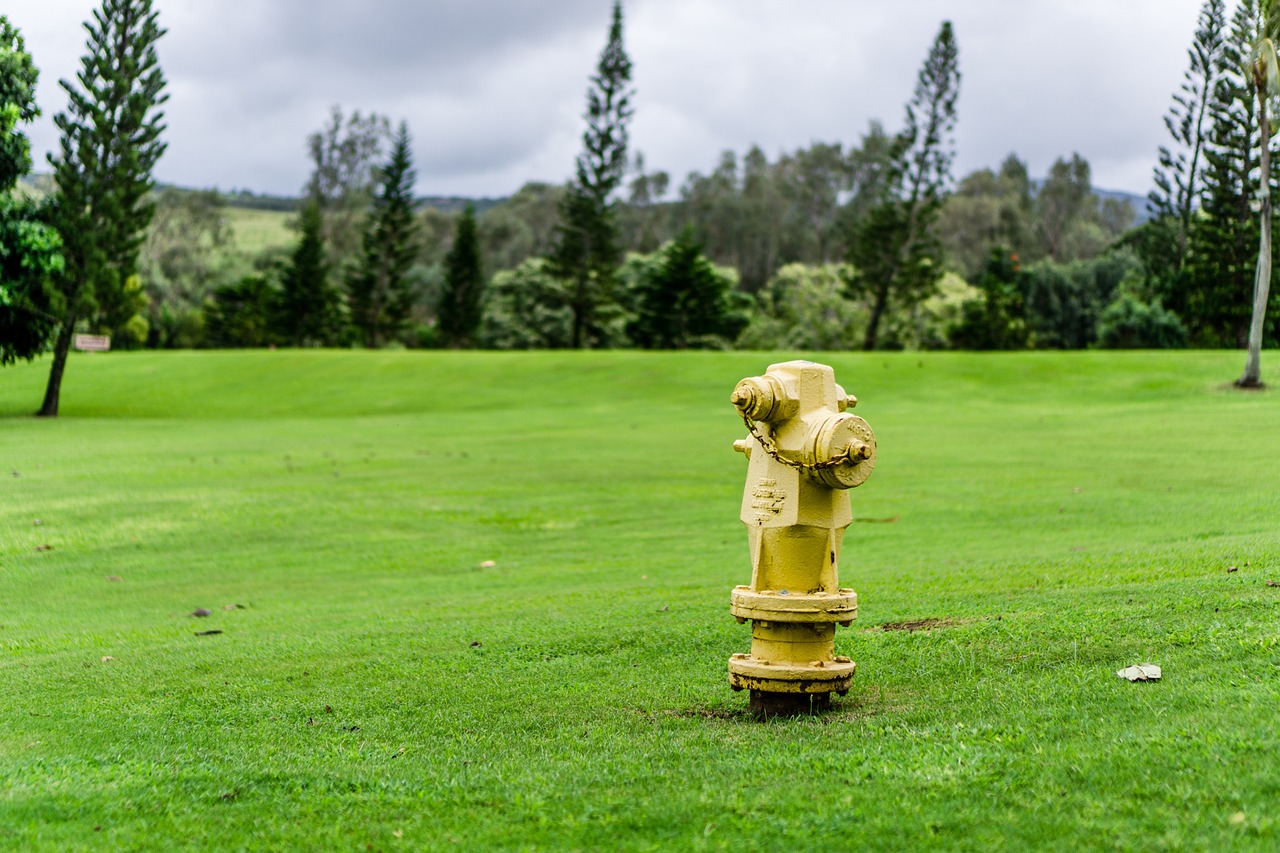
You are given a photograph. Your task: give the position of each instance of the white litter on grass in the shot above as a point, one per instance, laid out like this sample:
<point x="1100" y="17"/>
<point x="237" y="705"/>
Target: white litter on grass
<point x="1140" y="672"/>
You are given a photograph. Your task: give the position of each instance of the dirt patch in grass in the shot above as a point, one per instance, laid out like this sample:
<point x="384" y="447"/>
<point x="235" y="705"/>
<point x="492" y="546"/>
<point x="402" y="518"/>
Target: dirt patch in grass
<point x="915" y="625"/>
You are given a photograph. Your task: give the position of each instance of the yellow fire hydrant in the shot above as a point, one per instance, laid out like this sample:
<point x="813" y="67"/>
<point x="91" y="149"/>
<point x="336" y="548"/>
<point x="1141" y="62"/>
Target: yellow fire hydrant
<point x="805" y="453"/>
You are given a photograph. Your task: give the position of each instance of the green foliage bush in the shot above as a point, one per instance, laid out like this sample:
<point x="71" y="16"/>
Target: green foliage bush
<point x="996" y="320"/>
<point x="803" y="307"/>
<point x="1064" y="300"/>
<point x="527" y="308"/>
<point x="1129" y="323"/>
<point x="683" y="301"/>
<point x="241" y="314"/>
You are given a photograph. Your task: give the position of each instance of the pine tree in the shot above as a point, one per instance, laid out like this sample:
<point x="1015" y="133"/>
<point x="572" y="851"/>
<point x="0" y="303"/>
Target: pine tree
<point x="309" y="311"/>
<point x="893" y="246"/>
<point x="110" y="144"/>
<point x="379" y="289"/>
<point x="461" y="302"/>
<point x="1179" y="176"/>
<point x="686" y="302"/>
<point x="1211" y="295"/>
<point x="30" y="250"/>
<point x="587" y="253"/>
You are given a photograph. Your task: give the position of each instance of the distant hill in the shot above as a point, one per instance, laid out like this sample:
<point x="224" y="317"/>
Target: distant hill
<point x="1141" y="206"/>
<point x="41" y="183"/>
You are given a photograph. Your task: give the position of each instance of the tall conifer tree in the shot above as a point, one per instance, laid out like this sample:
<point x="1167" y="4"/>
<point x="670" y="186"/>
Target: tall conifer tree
<point x="309" y="312"/>
<point x="896" y="254"/>
<point x="1179" y="177"/>
<point x="378" y="291"/>
<point x="461" y="302"/>
<point x="587" y="253"/>
<point x="1212" y="295"/>
<point x="110" y="143"/>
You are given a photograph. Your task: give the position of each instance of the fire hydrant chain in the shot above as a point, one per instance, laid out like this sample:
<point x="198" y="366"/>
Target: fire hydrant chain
<point x="767" y="445"/>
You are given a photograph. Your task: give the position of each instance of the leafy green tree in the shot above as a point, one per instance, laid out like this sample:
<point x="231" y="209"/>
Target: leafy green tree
<point x="187" y="254"/>
<point x="1063" y="302"/>
<point x="686" y="303"/>
<point x="813" y="181"/>
<point x="893" y="247"/>
<point x="1130" y="323"/>
<point x="1264" y="71"/>
<point x="527" y="308"/>
<point x="110" y="144"/>
<point x="344" y="175"/>
<point x="310" y="313"/>
<point x="379" y="289"/>
<point x="461" y="303"/>
<point x="997" y="320"/>
<point x="989" y="210"/>
<point x="803" y="307"/>
<point x="1179" y="176"/>
<point x="642" y="218"/>
<point x="242" y="314"/>
<point x="30" y="249"/>
<point x="587" y="253"/>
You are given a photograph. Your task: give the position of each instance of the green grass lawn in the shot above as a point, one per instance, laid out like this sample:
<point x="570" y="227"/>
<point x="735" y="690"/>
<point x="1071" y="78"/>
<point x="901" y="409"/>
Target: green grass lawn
<point x="378" y="683"/>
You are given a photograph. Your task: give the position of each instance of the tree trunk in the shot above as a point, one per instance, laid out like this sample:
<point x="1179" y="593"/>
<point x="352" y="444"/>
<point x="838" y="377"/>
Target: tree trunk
<point x="1252" y="377"/>
<point x="52" y="391"/>
<point x="877" y="312"/>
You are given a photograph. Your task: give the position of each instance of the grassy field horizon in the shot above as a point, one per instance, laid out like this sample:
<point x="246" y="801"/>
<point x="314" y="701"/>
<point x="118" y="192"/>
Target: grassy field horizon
<point x="482" y="599"/>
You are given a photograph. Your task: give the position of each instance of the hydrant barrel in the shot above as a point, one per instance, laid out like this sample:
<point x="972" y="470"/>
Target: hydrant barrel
<point x="804" y="453"/>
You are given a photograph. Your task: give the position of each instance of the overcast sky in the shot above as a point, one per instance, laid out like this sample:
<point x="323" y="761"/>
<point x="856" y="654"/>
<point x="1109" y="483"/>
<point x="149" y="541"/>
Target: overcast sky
<point x="494" y="90"/>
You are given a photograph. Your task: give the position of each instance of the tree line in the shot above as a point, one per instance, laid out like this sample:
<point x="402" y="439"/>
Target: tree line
<point x="872" y="244"/>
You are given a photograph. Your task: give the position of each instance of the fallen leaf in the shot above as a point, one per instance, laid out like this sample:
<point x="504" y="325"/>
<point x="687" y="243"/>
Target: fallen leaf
<point x="328" y="709"/>
<point x="1140" y="672"/>
<point x="488" y="564"/>
<point x="1237" y="818"/>
<point x="39" y="522"/>
<point x="208" y="633"/>
<point x="106" y="658"/>
<point x="114" y="578"/>
<point x="354" y="729"/>
<point x="44" y="547"/>
<point x="231" y="795"/>
<point x="475" y="644"/>
<point x="1231" y="569"/>
<point x="311" y="721"/>
<point x="665" y="608"/>
<point x="201" y="611"/>
<point x="1273" y="583"/>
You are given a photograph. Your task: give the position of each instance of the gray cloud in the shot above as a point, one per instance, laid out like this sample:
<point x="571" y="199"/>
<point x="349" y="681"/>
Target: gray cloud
<point x="493" y="91"/>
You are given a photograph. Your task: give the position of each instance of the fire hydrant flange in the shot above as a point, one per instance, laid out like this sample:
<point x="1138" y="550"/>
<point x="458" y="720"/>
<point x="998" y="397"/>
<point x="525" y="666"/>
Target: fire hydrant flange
<point x="805" y="452"/>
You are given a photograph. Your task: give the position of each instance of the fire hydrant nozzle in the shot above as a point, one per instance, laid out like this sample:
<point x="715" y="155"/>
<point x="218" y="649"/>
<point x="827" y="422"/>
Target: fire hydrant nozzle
<point x="805" y="452"/>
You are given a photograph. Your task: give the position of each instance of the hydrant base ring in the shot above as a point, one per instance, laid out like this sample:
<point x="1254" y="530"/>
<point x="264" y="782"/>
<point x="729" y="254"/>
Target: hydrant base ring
<point x="747" y="673"/>
<point x="769" y="606"/>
